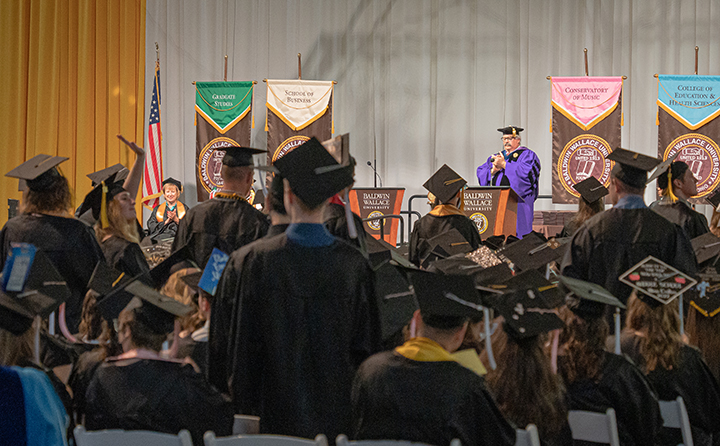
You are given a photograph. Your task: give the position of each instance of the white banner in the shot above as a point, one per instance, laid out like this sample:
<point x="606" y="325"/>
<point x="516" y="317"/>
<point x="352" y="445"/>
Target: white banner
<point x="298" y="103"/>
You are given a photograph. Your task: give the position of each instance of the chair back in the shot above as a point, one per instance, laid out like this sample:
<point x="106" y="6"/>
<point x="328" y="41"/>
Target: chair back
<point x="675" y="416"/>
<point x="246" y="425"/>
<point x="342" y="440"/>
<point x="119" y="437"/>
<point x="528" y="436"/>
<point x="594" y="426"/>
<point x="262" y="440"/>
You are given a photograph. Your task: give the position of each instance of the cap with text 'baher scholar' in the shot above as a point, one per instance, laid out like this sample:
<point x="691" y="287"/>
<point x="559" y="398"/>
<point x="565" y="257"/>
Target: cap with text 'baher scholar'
<point x="631" y="167"/>
<point x="314" y="175"/>
<point x="445" y="295"/>
<point x="590" y="189"/>
<point x="586" y="299"/>
<point x="445" y="183"/>
<point x="39" y="172"/>
<point x="120" y="171"/>
<point x="511" y="130"/>
<point x="236" y="156"/>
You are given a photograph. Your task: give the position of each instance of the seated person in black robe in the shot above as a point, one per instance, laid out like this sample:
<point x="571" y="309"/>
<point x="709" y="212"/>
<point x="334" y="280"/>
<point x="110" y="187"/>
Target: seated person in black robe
<point x="590" y="203"/>
<point x="279" y="219"/>
<point x="45" y="222"/>
<point x="421" y="391"/>
<point x="652" y="340"/>
<point x="141" y="390"/>
<point x="447" y="187"/>
<point x="597" y="380"/>
<point x="299" y="306"/>
<point x="165" y="217"/>
<point x="227" y="221"/>
<point x="678" y="184"/>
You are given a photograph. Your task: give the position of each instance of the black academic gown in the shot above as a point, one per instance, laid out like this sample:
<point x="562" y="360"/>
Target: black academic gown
<point x="693" y="381"/>
<point x="428" y="402"/>
<point x="160" y="229"/>
<point x="625" y="388"/>
<point x="609" y="243"/>
<point x="430" y="225"/>
<point x="81" y="376"/>
<point x="290" y="325"/>
<point x="223" y="223"/>
<point x="125" y="256"/>
<point x="69" y="244"/>
<point x="336" y="224"/>
<point x="155" y="395"/>
<point x="693" y="223"/>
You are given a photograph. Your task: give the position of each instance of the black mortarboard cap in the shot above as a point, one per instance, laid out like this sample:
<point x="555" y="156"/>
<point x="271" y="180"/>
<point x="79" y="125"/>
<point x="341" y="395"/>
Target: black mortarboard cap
<point x="445" y="183"/>
<point x="590" y="189"/>
<point x="39" y="172"/>
<point x="155" y="310"/>
<point x="339" y="148"/>
<point x="494" y="241"/>
<point x="663" y="167"/>
<point x="511" y="130"/>
<point x="631" y="167"/>
<point x="706" y="247"/>
<point x="313" y="173"/>
<point x="43" y="292"/>
<point x="236" y="156"/>
<point x="705" y="296"/>
<point x="449" y="243"/>
<point x="380" y="252"/>
<point x="171" y="180"/>
<point x="532" y="278"/>
<point x="192" y="280"/>
<point x="714" y="198"/>
<point x="586" y="299"/>
<point x="445" y="295"/>
<point x="527" y="314"/>
<point x="105" y="279"/>
<point x="534" y="251"/>
<point x="396" y="301"/>
<point x="120" y="171"/>
<point x="457" y="264"/>
<point x="93" y="200"/>
<point x="163" y="270"/>
<point x="657" y="282"/>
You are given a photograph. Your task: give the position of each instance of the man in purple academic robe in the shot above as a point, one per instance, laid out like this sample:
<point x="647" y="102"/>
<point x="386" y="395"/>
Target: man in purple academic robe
<point x="518" y="167"/>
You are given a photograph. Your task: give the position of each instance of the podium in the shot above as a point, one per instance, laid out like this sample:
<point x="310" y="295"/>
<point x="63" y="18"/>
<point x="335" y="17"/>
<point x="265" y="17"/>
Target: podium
<point x="376" y="202"/>
<point x="492" y="209"/>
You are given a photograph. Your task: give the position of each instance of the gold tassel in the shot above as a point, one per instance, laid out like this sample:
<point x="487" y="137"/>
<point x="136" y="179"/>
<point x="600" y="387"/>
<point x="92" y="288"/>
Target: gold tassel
<point x="670" y="193"/>
<point x="104" y="222"/>
<point x="622" y="102"/>
<point x="252" y="108"/>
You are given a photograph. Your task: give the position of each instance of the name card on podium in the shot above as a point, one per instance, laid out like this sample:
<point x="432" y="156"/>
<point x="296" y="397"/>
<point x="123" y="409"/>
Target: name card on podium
<point x="492" y="209"/>
<point x="376" y="202"/>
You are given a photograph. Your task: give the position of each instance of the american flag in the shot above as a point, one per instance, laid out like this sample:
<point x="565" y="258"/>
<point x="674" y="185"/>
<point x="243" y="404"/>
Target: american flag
<point x="153" y="174"/>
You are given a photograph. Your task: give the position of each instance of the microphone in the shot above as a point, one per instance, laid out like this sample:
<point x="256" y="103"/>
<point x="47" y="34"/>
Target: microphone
<point x="376" y="174"/>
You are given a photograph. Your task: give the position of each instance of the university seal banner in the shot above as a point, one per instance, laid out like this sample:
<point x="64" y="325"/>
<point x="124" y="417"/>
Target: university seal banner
<point x="586" y="121"/>
<point x="688" y="107"/>
<point x="296" y="111"/>
<point x="222" y="119"/>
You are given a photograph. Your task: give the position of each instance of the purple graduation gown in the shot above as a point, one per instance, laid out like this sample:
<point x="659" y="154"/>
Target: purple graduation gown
<point x="522" y="171"/>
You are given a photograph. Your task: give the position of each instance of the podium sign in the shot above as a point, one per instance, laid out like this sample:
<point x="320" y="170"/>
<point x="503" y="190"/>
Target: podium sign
<point x="492" y="209"/>
<point x="376" y="202"/>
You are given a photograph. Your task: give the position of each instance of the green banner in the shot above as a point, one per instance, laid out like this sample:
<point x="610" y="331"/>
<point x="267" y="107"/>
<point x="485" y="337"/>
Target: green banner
<point x="223" y="104"/>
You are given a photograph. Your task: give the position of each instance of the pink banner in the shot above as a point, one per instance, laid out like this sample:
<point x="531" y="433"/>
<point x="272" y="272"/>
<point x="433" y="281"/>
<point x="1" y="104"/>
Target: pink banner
<point x="586" y="100"/>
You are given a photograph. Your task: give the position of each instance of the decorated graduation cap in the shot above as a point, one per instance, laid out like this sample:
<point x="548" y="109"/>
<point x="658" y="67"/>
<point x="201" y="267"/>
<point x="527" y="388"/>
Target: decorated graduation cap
<point x="173" y="181"/>
<point x="586" y="299"/>
<point x="534" y="251"/>
<point x="706" y="247"/>
<point x="313" y="173"/>
<point x="532" y="278"/>
<point x="236" y="156"/>
<point x="38" y="289"/>
<point x="445" y="295"/>
<point x="120" y="171"/>
<point x="99" y="197"/>
<point x="705" y="297"/>
<point x="511" y="130"/>
<point x="590" y="189"/>
<point x="657" y="282"/>
<point x="526" y="314"/>
<point x="631" y="167"/>
<point x="155" y="310"/>
<point x="39" y="172"/>
<point x="445" y="183"/>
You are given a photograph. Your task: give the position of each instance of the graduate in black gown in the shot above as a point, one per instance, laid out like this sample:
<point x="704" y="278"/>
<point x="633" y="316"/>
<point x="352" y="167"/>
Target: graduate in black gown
<point x="279" y="219"/>
<point x="447" y="187"/>
<point x="226" y="222"/>
<point x="678" y="184"/>
<point x="165" y="217"/>
<point x="596" y="379"/>
<point x="611" y="242"/>
<point x="46" y="223"/>
<point x="421" y="391"/>
<point x="298" y="311"/>
<point x="590" y="203"/>
<point x="141" y="390"/>
<point x="652" y="340"/>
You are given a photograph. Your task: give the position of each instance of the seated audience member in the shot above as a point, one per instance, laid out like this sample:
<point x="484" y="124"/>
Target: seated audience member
<point x="524" y="385"/>
<point x="419" y="391"/>
<point x="279" y="218"/>
<point x="596" y="379"/>
<point x="591" y="202"/>
<point x="165" y="217"/>
<point x="652" y="340"/>
<point x="703" y="331"/>
<point x="447" y="186"/>
<point x="678" y="183"/>
<point x="142" y="390"/>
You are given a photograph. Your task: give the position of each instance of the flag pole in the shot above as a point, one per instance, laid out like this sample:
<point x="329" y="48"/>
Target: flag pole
<point x="696" y="60"/>
<point x="300" y="66"/>
<point x="586" y="62"/>
<point x="157" y="53"/>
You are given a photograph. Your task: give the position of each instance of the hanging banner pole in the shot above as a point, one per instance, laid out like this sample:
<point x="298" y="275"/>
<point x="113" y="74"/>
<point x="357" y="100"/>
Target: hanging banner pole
<point x="586" y="63"/>
<point x="226" y="64"/>
<point x="300" y="66"/>
<point x="696" y="60"/>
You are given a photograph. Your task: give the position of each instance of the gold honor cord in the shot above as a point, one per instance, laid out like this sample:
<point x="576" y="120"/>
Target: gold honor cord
<point x="220" y="109"/>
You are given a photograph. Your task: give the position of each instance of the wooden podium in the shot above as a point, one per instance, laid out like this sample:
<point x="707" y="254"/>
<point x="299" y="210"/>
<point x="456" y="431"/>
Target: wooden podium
<point x="492" y="209"/>
<point x="376" y="202"/>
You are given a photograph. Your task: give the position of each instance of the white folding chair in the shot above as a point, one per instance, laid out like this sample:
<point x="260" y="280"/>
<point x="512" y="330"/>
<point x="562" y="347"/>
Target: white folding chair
<point x="675" y="416"/>
<point x="594" y="426"/>
<point x="528" y="436"/>
<point x="118" y="437"/>
<point x="246" y="425"/>
<point x="342" y="440"/>
<point x="262" y="440"/>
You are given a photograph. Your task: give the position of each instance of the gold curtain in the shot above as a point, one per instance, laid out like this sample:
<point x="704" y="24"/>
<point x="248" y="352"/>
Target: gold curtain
<point x="73" y="76"/>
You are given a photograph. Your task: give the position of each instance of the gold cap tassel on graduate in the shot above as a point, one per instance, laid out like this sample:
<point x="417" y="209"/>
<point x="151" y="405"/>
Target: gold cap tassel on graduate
<point x="104" y="221"/>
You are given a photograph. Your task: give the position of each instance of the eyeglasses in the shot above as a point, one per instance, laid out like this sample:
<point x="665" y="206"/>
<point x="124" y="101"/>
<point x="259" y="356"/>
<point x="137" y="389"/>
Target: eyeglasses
<point x="508" y="138"/>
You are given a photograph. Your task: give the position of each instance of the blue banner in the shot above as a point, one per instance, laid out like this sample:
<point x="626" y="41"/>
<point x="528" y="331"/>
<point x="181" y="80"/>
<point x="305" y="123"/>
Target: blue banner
<point x="693" y="100"/>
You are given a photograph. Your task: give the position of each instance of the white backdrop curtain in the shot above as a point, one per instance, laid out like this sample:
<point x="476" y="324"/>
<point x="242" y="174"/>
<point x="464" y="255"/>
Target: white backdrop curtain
<point x="426" y="82"/>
